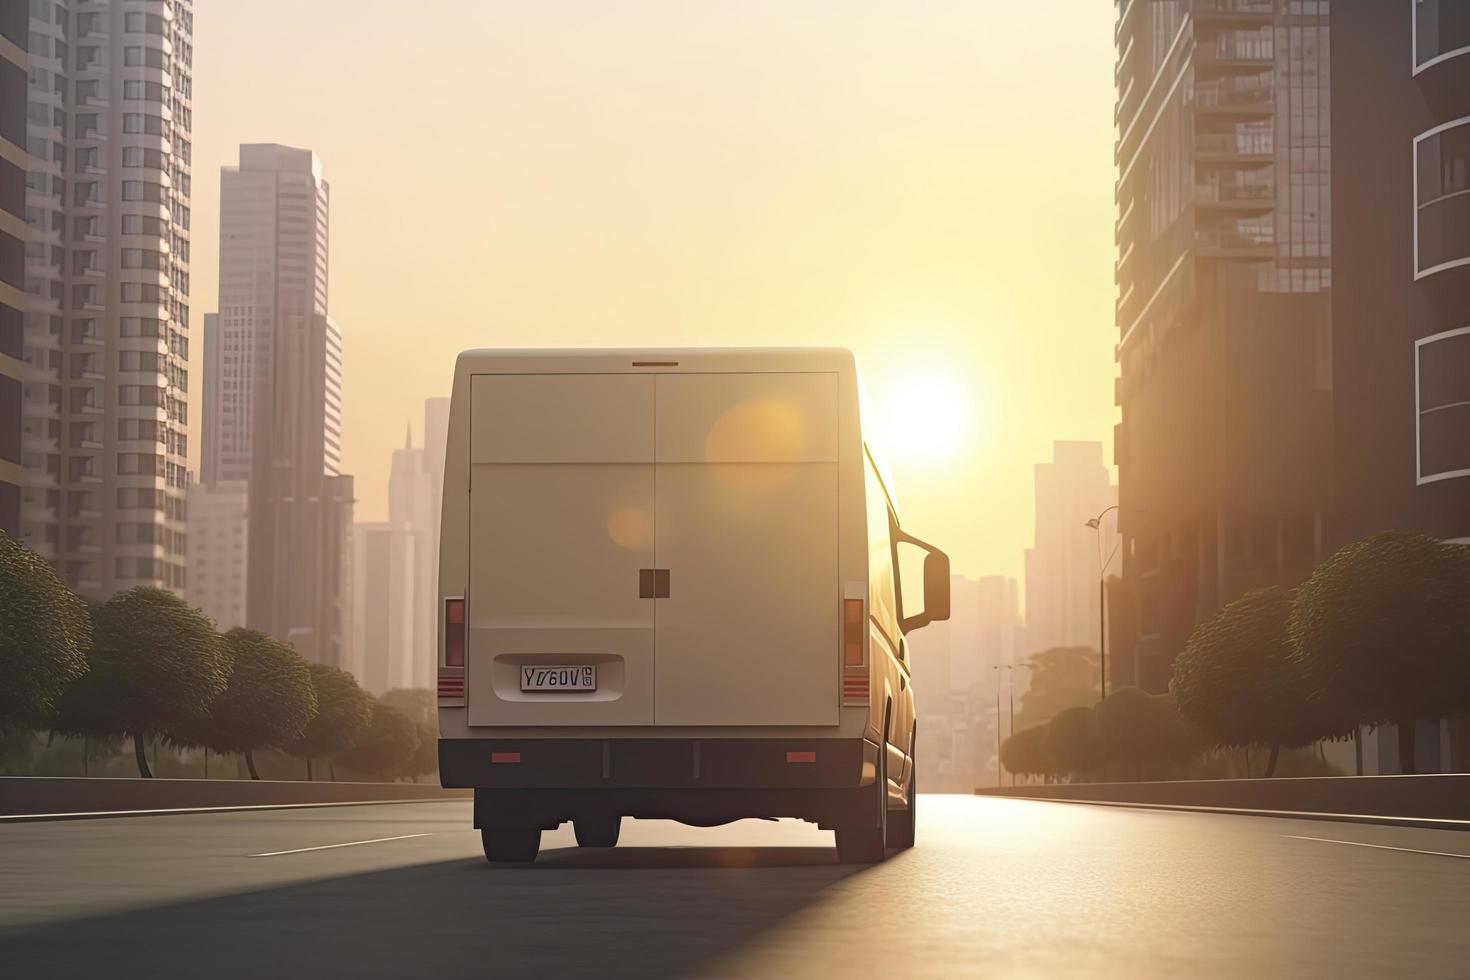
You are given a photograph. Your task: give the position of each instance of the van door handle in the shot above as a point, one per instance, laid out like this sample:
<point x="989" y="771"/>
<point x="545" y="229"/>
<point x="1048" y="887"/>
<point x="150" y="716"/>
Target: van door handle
<point x="653" y="583"/>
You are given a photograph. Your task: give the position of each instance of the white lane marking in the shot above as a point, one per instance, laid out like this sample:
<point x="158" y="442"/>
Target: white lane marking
<point x="328" y="847"/>
<point x="1380" y="847"/>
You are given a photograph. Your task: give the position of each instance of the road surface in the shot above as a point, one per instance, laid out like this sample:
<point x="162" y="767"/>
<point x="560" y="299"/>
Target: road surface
<point x="996" y="887"/>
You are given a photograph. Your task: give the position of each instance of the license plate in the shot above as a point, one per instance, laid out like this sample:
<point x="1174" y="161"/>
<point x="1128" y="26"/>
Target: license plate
<point x="579" y="677"/>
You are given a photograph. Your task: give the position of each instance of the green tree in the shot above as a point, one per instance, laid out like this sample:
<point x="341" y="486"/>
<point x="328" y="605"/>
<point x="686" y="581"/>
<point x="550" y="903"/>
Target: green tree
<point x="44" y="636"/>
<point x="1072" y="739"/>
<point x="1060" y="678"/>
<point x="1180" y="742"/>
<point x="1142" y="730"/>
<point x="1131" y="728"/>
<point x="1026" y="753"/>
<point x="156" y="666"/>
<point x="344" y="711"/>
<point x="421" y="705"/>
<point x="387" y="746"/>
<point x="1237" y="680"/>
<point x="1382" y="630"/>
<point x="267" y="702"/>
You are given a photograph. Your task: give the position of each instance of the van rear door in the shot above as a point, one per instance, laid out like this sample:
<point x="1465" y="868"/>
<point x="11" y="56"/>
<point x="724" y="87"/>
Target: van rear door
<point x="679" y="532"/>
<point x="746" y="506"/>
<point x="561" y="528"/>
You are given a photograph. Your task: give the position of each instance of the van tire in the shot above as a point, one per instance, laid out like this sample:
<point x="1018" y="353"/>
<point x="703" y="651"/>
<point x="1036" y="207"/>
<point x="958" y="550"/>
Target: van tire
<point x="510" y="846"/>
<point x="597" y="831"/>
<point x="867" y="843"/>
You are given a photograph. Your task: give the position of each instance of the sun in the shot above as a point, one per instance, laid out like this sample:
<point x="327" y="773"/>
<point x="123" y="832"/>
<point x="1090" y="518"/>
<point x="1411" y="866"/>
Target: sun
<point x="926" y="417"/>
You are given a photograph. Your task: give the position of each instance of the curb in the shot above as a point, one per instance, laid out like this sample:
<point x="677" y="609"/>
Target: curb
<point x="174" y="811"/>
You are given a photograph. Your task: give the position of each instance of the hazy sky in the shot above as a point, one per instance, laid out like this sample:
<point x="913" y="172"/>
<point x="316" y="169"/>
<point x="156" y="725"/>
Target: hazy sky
<point x="929" y="184"/>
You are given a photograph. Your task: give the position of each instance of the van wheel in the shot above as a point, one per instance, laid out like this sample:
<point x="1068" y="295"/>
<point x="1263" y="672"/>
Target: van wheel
<point x="510" y="845"/>
<point x="901" y="823"/>
<point x="866" y="844"/>
<point x="597" y="831"/>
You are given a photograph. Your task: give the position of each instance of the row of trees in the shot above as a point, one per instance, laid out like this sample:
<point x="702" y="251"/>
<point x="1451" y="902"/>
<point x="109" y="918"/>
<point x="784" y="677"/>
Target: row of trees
<point x="1131" y="731"/>
<point x="145" y="665"/>
<point x="1379" y="634"/>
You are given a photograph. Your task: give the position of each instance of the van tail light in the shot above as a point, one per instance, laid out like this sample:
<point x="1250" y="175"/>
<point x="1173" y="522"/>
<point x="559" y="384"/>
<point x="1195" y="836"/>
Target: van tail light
<point x="852" y="632"/>
<point x="454" y="632"/>
<point x="451" y="685"/>
<point x="854" y="663"/>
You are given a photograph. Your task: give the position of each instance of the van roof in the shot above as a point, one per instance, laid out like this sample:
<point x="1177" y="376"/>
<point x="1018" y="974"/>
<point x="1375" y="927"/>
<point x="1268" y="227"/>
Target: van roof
<point x="577" y="359"/>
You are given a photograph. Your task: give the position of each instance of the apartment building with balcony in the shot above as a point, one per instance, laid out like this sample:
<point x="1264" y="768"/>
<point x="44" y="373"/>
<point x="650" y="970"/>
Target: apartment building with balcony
<point x="14" y="29"/>
<point x="1224" y="239"/>
<point x="1401" y="307"/>
<point x="106" y="332"/>
<point x="1401" y="303"/>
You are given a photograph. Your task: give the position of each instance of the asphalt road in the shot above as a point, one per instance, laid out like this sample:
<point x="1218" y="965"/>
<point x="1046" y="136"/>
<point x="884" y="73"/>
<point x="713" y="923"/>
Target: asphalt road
<point x="996" y="887"/>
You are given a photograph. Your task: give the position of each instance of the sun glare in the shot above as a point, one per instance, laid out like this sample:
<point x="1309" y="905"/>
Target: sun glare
<point x="926" y="417"/>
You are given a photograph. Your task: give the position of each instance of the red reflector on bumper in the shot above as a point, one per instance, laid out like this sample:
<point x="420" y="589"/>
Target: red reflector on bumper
<point x="855" y="686"/>
<point x="801" y="757"/>
<point x="499" y="757"/>
<point x="451" y="685"/>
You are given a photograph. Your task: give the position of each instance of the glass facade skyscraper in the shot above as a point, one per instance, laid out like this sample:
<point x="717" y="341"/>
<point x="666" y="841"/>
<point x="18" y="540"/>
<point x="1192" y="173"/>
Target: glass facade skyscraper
<point x="1224" y="236"/>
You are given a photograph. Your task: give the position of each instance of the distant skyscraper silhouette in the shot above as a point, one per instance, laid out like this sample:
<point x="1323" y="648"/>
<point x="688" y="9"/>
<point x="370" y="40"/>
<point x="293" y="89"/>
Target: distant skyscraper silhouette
<point x="274" y="215"/>
<point x="396" y="566"/>
<point x="1062" y="564"/>
<point x="954" y="686"/>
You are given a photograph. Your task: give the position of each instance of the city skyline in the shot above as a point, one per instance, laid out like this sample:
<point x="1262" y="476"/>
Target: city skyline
<point x="781" y="108"/>
<point x="561" y="488"/>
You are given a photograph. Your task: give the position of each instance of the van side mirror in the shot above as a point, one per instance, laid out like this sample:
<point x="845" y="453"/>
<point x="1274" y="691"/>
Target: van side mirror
<point x="936" y="586"/>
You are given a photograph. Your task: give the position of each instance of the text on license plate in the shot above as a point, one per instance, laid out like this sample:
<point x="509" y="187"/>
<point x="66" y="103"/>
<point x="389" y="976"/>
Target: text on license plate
<point x="580" y="677"/>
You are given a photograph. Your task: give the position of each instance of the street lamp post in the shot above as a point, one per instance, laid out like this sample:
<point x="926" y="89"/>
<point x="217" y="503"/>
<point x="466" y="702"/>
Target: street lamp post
<point x="1011" y="703"/>
<point x="1102" y="602"/>
<point x="998" y="776"/>
<point x="1011" y="693"/>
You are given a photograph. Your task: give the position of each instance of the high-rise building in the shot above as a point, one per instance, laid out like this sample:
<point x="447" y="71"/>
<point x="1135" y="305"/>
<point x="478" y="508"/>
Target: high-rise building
<point x="1062" y="565"/>
<point x="1401" y="235"/>
<point x="107" y="272"/>
<point x="274" y="217"/>
<point x="229" y="395"/>
<point x="219" y="550"/>
<point x="1225" y="234"/>
<point x="13" y="166"/>
<point x="1401" y="298"/>
<point x="385" y="587"/>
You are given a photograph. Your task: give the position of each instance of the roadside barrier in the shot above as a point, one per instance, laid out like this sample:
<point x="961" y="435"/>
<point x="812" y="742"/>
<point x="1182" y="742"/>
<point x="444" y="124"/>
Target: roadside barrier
<point x="1432" y="799"/>
<point x="62" y="797"/>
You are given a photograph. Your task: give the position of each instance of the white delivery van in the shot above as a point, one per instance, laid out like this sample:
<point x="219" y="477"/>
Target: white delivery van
<point x="669" y="588"/>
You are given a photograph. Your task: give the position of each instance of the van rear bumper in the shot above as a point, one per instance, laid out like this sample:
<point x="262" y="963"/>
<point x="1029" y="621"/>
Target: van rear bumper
<point x="657" y="763"/>
<point x="531" y="783"/>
